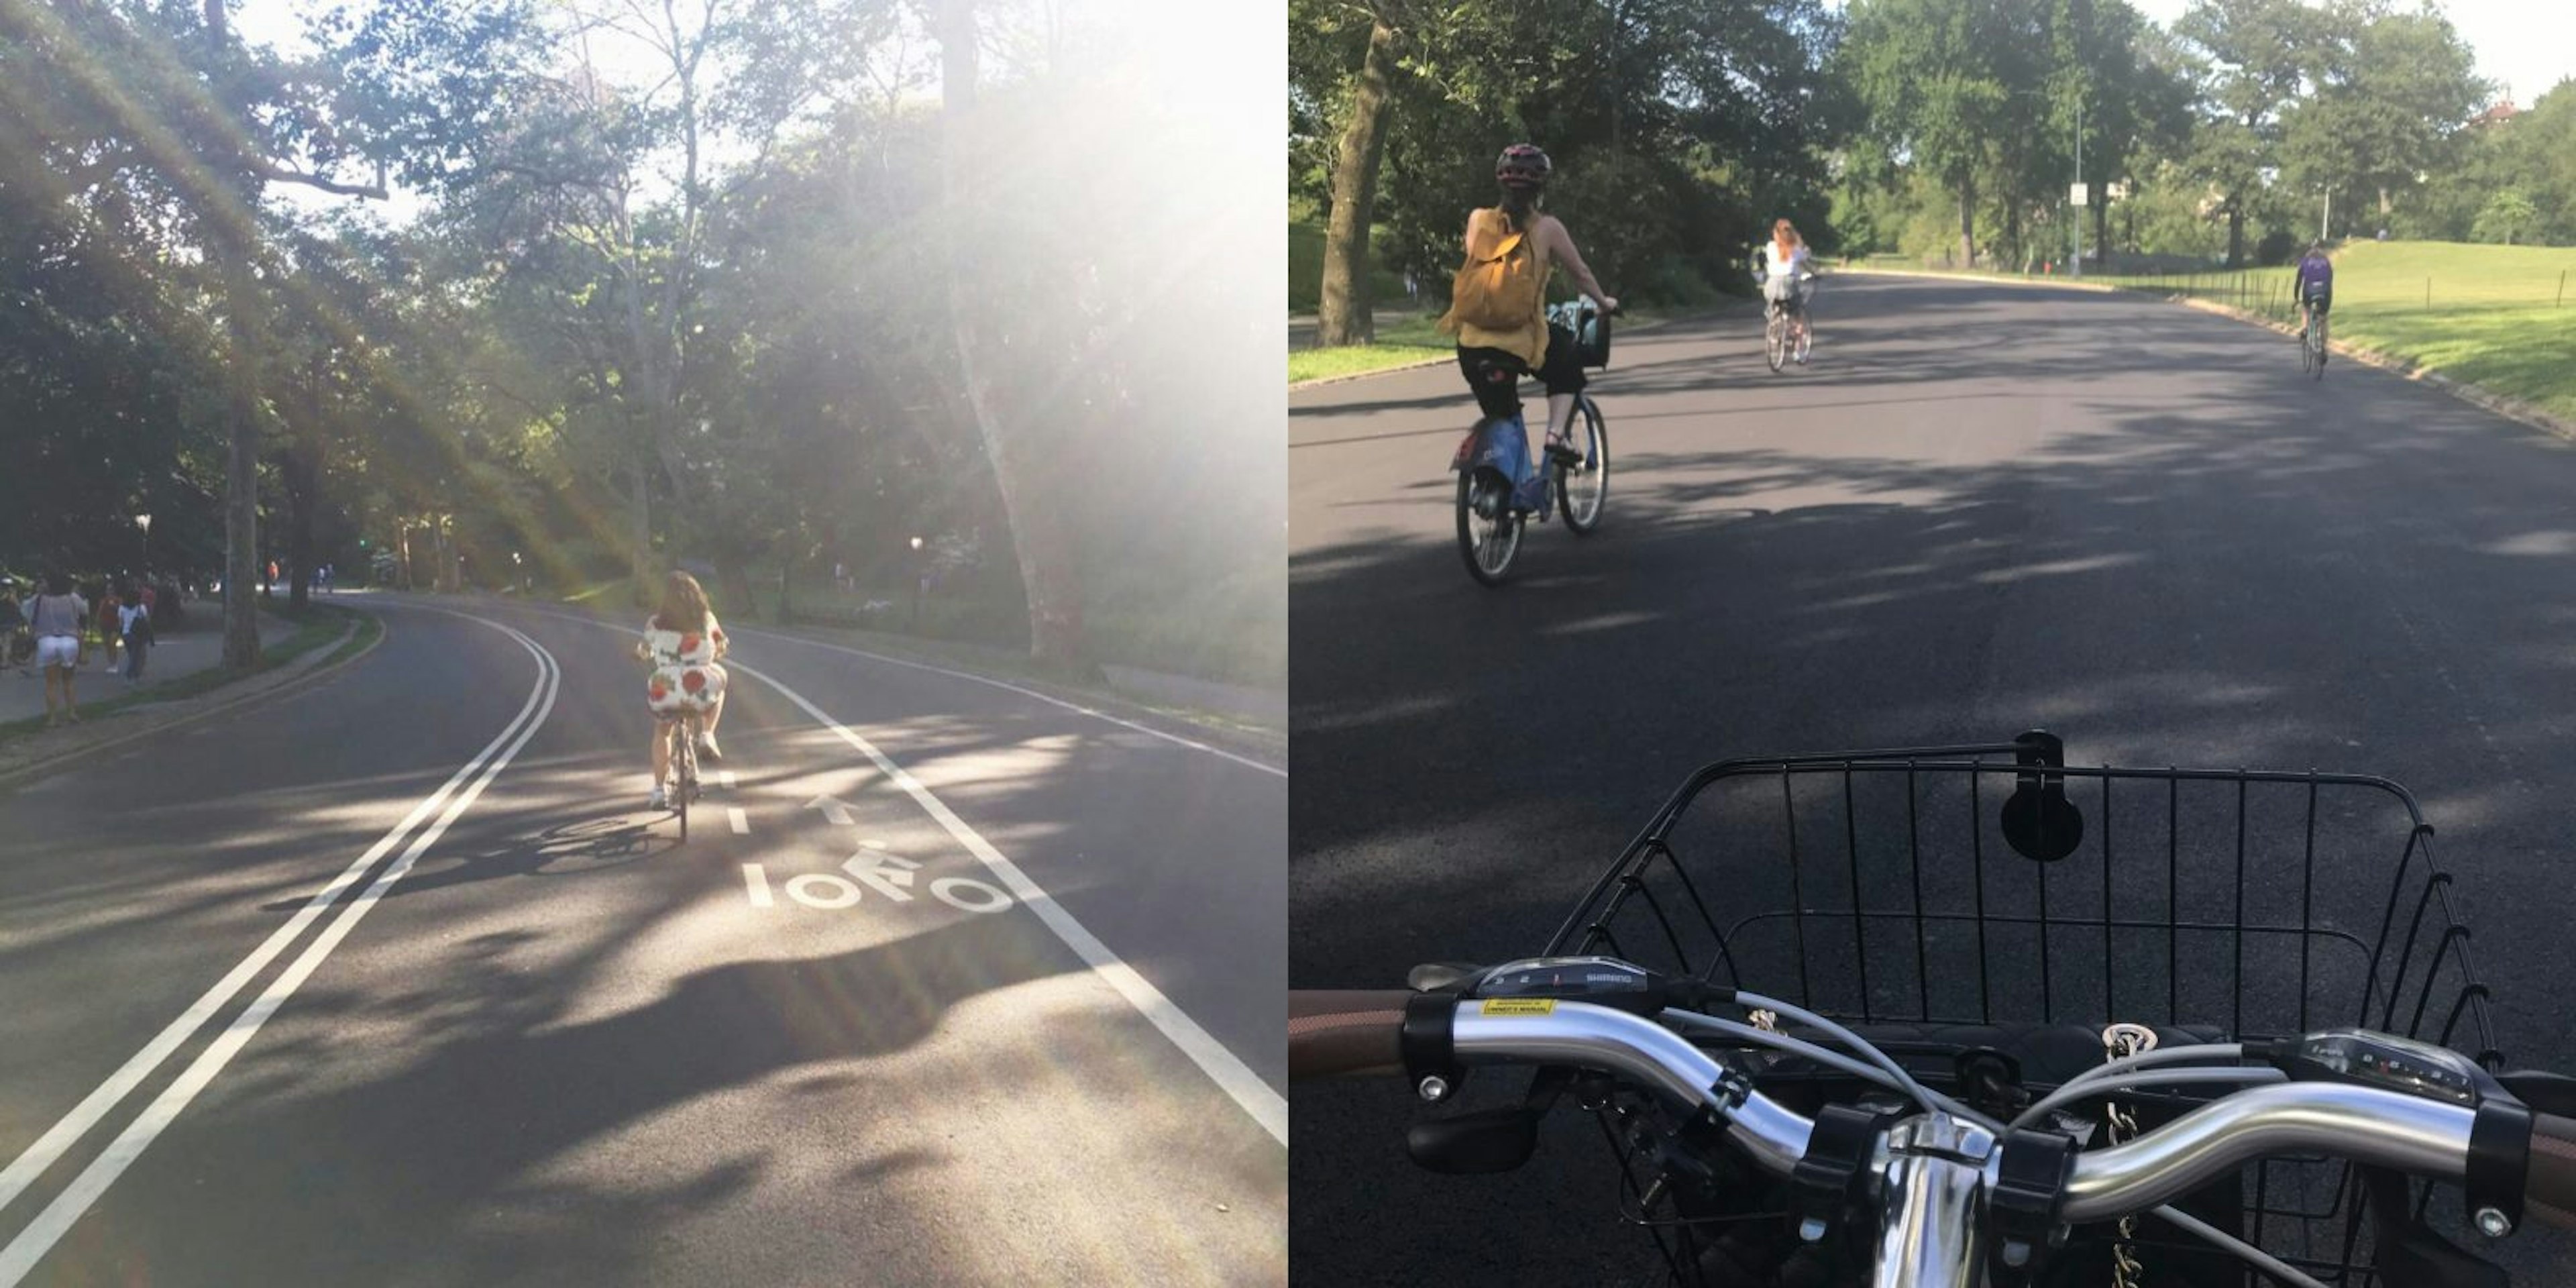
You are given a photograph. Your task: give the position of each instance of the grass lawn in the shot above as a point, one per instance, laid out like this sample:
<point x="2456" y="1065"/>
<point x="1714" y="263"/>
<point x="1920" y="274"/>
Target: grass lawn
<point x="2487" y="315"/>
<point x="1402" y="339"/>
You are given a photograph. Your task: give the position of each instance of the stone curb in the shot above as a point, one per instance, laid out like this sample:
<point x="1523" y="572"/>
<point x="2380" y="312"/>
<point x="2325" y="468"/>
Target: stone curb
<point x="44" y="753"/>
<point x="2513" y="409"/>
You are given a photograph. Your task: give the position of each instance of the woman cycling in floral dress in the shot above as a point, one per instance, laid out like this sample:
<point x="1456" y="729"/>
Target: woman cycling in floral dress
<point x="684" y="643"/>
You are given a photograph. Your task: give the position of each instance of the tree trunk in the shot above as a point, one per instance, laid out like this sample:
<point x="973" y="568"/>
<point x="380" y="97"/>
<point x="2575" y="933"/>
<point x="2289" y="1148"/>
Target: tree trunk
<point x="2102" y="231"/>
<point x="2236" y="233"/>
<point x="1040" y="536"/>
<point x="1343" y="315"/>
<point x="639" y="533"/>
<point x="241" y="464"/>
<point x="300" y="472"/>
<point x="734" y="585"/>
<point x="1968" y="222"/>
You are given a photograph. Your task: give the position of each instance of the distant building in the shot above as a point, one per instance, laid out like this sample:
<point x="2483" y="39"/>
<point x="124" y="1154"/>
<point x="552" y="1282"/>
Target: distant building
<point x="2503" y="111"/>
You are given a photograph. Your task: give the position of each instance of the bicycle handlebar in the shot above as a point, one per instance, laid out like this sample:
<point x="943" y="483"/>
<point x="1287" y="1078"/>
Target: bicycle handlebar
<point x="1338" y="1033"/>
<point x="2549" y="1182"/>
<point x="1360" y="1032"/>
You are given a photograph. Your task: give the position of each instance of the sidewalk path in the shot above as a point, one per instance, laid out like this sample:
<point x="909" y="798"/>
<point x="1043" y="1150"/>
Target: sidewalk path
<point x="197" y="647"/>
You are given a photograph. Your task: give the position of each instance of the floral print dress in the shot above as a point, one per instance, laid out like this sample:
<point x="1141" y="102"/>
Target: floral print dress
<point x="685" y="679"/>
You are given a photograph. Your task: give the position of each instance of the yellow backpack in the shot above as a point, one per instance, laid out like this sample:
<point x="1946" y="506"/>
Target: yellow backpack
<point x="1499" y="287"/>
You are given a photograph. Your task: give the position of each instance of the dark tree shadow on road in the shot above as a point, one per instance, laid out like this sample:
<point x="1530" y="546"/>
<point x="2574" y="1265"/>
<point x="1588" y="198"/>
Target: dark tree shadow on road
<point x="2237" y="569"/>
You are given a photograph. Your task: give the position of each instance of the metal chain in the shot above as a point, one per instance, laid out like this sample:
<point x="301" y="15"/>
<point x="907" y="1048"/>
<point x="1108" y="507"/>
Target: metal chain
<point x="2119" y="1042"/>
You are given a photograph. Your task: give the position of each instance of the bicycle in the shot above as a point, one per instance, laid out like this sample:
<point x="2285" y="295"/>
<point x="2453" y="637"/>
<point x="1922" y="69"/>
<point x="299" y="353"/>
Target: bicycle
<point x="2312" y="342"/>
<point x="1784" y="313"/>
<point x="1949" y="1145"/>
<point x="1574" y="480"/>
<point x="681" y="733"/>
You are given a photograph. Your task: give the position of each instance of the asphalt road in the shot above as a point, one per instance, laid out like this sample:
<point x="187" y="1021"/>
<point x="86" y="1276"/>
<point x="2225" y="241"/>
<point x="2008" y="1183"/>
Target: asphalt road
<point x="1985" y="508"/>
<point x="562" y="1048"/>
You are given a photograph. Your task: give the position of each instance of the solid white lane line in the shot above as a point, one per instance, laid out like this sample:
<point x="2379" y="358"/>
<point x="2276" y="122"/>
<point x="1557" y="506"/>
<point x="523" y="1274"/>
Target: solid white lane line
<point x="741" y="822"/>
<point x="32" y="1243"/>
<point x="1077" y="707"/>
<point x="92" y="1108"/>
<point x="1267" y="1107"/>
<point x="969" y="676"/>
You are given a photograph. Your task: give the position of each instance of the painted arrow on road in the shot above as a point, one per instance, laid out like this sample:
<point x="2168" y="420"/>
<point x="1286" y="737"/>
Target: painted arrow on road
<point x="834" y="812"/>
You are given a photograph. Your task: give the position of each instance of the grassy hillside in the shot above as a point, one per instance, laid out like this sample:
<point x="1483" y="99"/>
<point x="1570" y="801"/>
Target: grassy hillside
<point x="2489" y="315"/>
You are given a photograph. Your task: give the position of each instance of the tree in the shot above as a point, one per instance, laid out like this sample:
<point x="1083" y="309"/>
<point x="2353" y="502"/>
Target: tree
<point x="2393" y="88"/>
<point x="1936" y="93"/>
<point x="2508" y="217"/>
<point x="2255" y="54"/>
<point x="1343" y="316"/>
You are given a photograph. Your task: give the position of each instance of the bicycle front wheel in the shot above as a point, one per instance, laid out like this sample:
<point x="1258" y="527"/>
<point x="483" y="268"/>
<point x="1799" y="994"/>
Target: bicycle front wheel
<point x="1489" y="532"/>
<point x="1582" y="488"/>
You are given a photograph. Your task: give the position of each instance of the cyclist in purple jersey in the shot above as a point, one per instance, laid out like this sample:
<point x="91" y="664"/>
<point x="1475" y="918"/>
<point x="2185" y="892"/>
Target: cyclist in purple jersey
<point x="2314" y="286"/>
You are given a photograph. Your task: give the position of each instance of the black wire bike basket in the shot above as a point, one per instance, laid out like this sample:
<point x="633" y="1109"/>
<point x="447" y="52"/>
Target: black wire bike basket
<point x="1926" y="891"/>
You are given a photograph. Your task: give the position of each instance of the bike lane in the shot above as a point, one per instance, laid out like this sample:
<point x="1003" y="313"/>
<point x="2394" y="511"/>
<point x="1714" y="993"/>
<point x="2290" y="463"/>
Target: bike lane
<point x="571" y="1048"/>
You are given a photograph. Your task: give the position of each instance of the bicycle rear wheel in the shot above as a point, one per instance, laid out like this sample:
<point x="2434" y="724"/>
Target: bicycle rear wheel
<point x="1489" y="531"/>
<point x="1775" y="338"/>
<point x="2321" y="348"/>
<point x="684" y="772"/>
<point x="1582" y="489"/>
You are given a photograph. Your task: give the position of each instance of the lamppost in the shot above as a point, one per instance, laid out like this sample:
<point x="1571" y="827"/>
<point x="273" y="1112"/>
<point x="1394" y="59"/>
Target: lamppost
<point x="920" y="583"/>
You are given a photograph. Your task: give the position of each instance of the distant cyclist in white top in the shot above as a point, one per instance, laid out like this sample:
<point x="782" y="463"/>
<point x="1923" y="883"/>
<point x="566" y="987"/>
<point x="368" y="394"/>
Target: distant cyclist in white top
<point x="1786" y="254"/>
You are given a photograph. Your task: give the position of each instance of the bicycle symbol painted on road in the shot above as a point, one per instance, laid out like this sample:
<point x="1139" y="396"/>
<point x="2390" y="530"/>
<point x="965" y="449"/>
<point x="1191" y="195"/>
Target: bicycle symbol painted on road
<point x="890" y="877"/>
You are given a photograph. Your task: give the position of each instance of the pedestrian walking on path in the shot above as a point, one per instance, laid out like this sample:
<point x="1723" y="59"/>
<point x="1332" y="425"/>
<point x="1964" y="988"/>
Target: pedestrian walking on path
<point x="58" y="617"/>
<point x="106" y="611"/>
<point x="134" y="625"/>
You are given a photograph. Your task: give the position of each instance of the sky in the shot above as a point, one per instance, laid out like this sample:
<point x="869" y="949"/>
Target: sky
<point x="2526" y="46"/>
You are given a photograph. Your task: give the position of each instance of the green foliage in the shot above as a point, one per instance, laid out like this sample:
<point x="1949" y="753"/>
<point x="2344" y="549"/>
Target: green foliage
<point x="1677" y="126"/>
<point x="2509" y="217"/>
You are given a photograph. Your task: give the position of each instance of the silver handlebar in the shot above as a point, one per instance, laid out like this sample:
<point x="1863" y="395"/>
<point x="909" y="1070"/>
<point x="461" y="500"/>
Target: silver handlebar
<point x="2361" y="1124"/>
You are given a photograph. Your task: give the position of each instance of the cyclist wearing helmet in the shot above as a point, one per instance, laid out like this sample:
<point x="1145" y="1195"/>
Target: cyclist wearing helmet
<point x="2315" y="287"/>
<point x="1495" y="360"/>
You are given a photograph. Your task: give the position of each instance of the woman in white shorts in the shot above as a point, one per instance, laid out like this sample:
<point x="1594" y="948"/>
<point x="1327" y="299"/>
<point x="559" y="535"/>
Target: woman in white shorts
<point x="56" y="616"/>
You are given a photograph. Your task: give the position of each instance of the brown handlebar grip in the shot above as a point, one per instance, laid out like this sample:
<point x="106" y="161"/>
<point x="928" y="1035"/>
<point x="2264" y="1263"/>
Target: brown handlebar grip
<point x="1341" y="1032"/>
<point x="2549" y="1186"/>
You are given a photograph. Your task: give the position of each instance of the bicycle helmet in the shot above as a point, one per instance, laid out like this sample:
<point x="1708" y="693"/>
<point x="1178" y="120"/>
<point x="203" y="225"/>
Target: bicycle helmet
<point x="1522" y="165"/>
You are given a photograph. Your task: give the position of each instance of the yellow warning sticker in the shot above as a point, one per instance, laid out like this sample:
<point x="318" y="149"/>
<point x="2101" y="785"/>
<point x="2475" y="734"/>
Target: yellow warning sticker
<point x="1520" y="1006"/>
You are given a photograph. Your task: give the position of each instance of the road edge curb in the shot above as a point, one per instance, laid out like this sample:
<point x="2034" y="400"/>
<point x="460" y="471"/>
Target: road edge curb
<point x="301" y="674"/>
<point x="2513" y="409"/>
